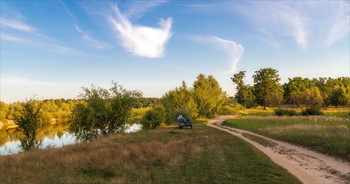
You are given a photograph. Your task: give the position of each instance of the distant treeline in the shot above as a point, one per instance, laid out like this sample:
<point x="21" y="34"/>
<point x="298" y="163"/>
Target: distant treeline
<point x="298" y="91"/>
<point x="60" y="109"/>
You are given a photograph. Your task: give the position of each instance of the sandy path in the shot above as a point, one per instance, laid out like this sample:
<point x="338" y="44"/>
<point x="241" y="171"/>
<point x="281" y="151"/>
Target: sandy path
<point x="308" y="166"/>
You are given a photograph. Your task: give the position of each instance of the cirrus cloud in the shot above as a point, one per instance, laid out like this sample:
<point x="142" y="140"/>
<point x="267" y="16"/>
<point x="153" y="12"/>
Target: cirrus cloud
<point x="233" y="49"/>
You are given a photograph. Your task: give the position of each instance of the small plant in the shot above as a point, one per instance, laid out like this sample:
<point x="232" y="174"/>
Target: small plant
<point x="153" y="118"/>
<point x="312" y="112"/>
<point x="285" y="112"/>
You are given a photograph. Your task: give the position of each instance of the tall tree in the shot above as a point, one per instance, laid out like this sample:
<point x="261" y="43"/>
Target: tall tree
<point x="267" y="88"/>
<point x="294" y="90"/>
<point x="208" y="95"/>
<point x="244" y="94"/>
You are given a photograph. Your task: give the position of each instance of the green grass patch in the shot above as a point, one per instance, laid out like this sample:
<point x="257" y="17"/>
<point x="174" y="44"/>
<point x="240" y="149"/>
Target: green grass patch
<point x="166" y="155"/>
<point x="260" y="140"/>
<point x="329" y="135"/>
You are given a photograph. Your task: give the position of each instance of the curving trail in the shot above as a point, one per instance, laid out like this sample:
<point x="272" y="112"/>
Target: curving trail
<point x="308" y="166"/>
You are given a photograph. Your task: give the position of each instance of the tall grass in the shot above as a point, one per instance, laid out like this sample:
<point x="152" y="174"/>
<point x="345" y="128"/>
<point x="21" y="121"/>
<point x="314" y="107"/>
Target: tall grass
<point x="200" y="155"/>
<point x="326" y="134"/>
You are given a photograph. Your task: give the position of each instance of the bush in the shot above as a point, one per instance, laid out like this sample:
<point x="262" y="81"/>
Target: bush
<point x="229" y="109"/>
<point x="311" y="112"/>
<point x="285" y="112"/>
<point x="153" y="118"/>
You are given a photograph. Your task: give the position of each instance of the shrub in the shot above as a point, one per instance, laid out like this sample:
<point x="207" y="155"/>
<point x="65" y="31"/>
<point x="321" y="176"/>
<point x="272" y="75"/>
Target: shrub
<point x="153" y="118"/>
<point x="311" y="112"/>
<point x="229" y="109"/>
<point x="285" y="112"/>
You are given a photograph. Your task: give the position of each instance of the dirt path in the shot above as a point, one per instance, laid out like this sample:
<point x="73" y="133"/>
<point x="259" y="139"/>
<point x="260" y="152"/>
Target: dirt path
<point x="308" y="166"/>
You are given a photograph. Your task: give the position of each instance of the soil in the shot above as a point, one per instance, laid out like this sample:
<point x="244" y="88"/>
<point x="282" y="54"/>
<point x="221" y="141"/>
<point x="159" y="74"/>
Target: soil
<point x="308" y="166"/>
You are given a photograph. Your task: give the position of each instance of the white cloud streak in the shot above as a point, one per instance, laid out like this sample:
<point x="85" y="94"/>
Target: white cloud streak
<point x="136" y="9"/>
<point x="141" y="40"/>
<point x="17" y="25"/>
<point x="88" y="40"/>
<point x="9" y="37"/>
<point x="233" y="49"/>
<point x="307" y="22"/>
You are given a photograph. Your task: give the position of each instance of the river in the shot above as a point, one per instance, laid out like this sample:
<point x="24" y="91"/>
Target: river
<point x="53" y="137"/>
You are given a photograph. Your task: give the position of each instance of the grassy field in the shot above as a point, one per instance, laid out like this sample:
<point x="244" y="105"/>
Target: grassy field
<point x="259" y="111"/>
<point x="167" y="155"/>
<point x="326" y="134"/>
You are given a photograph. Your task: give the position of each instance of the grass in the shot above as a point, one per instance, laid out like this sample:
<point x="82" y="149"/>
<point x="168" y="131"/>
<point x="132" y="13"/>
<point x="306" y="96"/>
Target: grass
<point x="259" y="111"/>
<point x="167" y="155"/>
<point x="325" y="134"/>
<point x="259" y="140"/>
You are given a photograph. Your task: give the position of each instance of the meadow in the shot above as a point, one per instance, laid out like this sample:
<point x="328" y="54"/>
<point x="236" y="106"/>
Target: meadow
<point x="165" y="155"/>
<point x="325" y="134"/>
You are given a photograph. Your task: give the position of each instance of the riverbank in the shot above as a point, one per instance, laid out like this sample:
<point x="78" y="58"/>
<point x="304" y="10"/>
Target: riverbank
<point x="166" y="155"/>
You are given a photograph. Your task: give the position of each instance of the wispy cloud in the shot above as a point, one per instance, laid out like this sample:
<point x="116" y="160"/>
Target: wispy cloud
<point x="307" y="22"/>
<point x="234" y="50"/>
<point x="88" y="40"/>
<point x="24" y="81"/>
<point x="141" y="40"/>
<point x="15" y="24"/>
<point x="278" y="18"/>
<point x="7" y="37"/>
<point x="136" y="9"/>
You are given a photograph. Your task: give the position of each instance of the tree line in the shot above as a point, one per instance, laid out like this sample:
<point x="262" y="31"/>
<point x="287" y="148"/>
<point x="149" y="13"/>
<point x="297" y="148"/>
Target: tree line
<point x="99" y="112"/>
<point x="300" y="92"/>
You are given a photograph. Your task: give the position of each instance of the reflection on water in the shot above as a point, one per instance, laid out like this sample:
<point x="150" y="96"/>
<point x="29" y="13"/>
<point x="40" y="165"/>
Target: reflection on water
<point x="54" y="136"/>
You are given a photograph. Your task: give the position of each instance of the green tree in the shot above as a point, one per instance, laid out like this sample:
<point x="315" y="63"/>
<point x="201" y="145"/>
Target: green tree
<point x="180" y="98"/>
<point x="208" y="95"/>
<point x="30" y="120"/>
<point x="294" y="90"/>
<point x="312" y="98"/>
<point x="340" y="96"/>
<point x="267" y="88"/>
<point x="103" y="111"/>
<point x="244" y="94"/>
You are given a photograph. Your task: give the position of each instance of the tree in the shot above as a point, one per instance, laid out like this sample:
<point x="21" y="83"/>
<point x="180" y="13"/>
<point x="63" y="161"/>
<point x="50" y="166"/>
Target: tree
<point x="244" y="94"/>
<point x="179" y="98"/>
<point x="3" y="110"/>
<point x="340" y="96"/>
<point x="208" y="95"/>
<point x="103" y="111"/>
<point x="30" y="120"/>
<point x="294" y="89"/>
<point x="312" y="98"/>
<point x="267" y="89"/>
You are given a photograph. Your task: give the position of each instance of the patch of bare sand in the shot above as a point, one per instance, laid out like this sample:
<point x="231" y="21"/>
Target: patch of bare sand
<point x="308" y="166"/>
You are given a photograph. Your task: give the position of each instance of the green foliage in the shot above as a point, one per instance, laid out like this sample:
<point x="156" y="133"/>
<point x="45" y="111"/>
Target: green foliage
<point x="244" y="93"/>
<point x="312" y="112"/>
<point x="209" y="96"/>
<point x="267" y="89"/>
<point x="179" y="98"/>
<point x="153" y="118"/>
<point x="285" y="112"/>
<point x="3" y="110"/>
<point x="30" y="120"/>
<point x="103" y="111"/>
<point x="312" y="98"/>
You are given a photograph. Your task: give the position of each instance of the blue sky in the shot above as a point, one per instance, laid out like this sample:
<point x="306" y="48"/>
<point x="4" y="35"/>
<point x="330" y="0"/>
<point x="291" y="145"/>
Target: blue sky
<point x="53" y="48"/>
